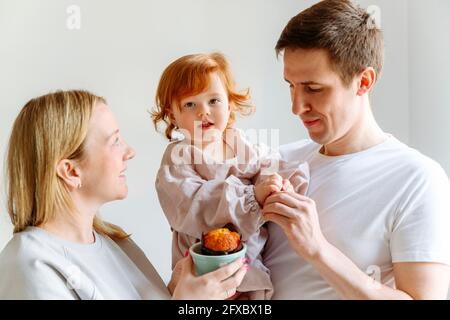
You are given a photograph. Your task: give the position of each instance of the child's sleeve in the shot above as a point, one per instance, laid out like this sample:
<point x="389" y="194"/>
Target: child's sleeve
<point x="297" y="172"/>
<point x="193" y="205"/>
<point x="257" y="284"/>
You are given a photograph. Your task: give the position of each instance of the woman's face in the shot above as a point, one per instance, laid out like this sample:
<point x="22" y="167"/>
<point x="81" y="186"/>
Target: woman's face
<point x="105" y="159"/>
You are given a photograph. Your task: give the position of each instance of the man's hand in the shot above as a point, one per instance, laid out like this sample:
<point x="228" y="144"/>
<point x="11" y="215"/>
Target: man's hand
<point x="297" y="216"/>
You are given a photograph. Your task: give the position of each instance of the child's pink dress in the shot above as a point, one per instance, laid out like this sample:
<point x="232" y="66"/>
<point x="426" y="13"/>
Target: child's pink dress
<point x="198" y="194"/>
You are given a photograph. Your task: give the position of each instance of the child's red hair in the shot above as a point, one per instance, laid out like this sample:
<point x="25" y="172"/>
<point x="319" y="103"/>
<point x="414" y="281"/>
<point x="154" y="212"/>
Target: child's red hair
<point x="189" y="76"/>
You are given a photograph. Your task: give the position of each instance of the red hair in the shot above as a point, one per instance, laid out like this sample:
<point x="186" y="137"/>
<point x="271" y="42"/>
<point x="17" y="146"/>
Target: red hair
<point x="189" y="75"/>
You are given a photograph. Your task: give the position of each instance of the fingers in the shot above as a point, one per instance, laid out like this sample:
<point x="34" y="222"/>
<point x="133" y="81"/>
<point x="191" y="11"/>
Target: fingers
<point x="227" y="271"/>
<point x="291" y="199"/>
<point x="186" y="266"/>
<point x="287" y="186"/>
<point x="234" y="281"/>
<point x="271" y="189"/>
<point x="285" y="198"/>
<point x="280" y="220"/>
<point x="275" y="180"/>
<point x="280" y="209"/>
<point x="229" y="293"/>
<point x="178" y="267"/>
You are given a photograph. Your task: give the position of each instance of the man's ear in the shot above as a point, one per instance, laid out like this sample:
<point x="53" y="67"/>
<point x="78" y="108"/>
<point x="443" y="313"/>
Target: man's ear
<point x="366" y="81"/>
<point x="69" y="173"/>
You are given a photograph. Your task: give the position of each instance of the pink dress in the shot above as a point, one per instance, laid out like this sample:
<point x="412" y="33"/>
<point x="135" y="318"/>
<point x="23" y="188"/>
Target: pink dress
<point x="198" y="194"/>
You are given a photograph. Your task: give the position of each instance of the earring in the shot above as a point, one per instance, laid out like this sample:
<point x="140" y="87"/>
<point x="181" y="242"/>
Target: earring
<point x="79" y="186"/>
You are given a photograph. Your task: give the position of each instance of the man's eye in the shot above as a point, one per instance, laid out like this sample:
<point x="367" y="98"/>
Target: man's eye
<point x="189" y="105"/>
<point x="313" y="89"/>
<point x="214" y="101"/>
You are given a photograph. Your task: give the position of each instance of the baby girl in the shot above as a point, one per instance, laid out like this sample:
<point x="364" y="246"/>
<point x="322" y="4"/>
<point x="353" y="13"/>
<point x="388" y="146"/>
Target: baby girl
<point x="211" y="174"/>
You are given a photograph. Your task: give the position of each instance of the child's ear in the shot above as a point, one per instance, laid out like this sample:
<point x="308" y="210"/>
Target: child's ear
<point x="172" y="117"/>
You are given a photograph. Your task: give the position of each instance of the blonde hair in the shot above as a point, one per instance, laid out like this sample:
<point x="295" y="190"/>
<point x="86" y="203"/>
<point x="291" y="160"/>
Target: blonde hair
<point x="48" y="129"/>
<point x="189" y="75"/>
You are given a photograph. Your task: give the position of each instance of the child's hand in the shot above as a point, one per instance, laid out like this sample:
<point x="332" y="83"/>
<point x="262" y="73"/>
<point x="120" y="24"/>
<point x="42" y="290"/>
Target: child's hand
<point x="267" y="186"/>
<point x="287" y="186"/>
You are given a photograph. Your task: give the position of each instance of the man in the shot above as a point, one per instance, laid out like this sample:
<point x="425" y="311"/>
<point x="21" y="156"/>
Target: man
<point x="375" y="224"/>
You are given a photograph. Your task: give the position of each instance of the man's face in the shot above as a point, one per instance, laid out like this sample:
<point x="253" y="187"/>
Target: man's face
<point x="325" y="105"/>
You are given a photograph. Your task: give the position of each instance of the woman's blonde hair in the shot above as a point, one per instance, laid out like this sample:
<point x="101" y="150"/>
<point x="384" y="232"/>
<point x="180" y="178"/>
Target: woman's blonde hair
<point x="48" y="129"/>
<point x="189" y="75"/>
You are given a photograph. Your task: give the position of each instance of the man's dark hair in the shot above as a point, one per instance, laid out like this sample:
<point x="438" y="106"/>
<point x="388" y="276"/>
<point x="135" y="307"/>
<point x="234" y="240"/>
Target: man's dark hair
<point x="345" y="30"/>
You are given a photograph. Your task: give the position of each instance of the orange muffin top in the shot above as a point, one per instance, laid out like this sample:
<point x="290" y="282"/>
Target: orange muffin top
<point x="221" y="239"/>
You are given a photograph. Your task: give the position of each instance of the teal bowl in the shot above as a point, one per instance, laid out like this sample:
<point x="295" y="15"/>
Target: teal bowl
<point x="204" y="264"/>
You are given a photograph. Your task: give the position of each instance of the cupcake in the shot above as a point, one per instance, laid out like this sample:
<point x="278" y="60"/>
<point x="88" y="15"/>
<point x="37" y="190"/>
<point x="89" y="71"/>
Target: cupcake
<point x="221" y="241"/>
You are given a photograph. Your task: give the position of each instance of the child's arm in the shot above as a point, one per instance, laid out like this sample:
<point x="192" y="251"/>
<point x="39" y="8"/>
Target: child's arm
<point x="271" y="163"/>
<point x="193" y="205"/>
<point x="295" y="172"/>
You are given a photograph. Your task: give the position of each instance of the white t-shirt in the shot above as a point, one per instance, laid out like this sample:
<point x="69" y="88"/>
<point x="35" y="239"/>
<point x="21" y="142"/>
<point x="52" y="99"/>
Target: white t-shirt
<point x="38" y="265"/>
<point x="383" y="205"/>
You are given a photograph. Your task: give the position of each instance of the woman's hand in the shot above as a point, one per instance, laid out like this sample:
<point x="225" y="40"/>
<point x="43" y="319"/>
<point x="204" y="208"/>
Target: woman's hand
<point x="176" y="273"/>
<point x="217" y="285"/>
<point x="297" y="216"/>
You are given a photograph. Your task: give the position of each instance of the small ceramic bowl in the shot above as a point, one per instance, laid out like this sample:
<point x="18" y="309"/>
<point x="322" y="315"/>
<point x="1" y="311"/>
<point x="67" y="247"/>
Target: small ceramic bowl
<point x="204" y="264"/>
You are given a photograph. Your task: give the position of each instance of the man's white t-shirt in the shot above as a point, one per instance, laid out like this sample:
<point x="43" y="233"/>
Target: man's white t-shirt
<point x="383" y="205"/>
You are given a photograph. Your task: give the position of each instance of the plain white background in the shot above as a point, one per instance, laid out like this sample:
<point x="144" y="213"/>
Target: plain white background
<point x="123" y="46"/>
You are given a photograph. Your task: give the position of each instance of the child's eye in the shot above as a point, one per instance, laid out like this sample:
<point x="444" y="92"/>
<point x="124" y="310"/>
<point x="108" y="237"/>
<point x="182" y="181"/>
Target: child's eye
<point x="116" y="141"/>
<point x="189" y="105"/>
<point x="214" y="101"/>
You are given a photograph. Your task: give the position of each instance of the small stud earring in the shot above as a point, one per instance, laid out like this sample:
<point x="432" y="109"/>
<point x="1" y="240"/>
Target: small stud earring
<point x="79" y="186"/>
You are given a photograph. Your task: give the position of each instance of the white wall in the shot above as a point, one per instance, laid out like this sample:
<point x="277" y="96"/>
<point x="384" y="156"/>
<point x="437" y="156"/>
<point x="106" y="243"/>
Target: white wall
<point x="429" y="81"/>
<point x="121" y="50"/>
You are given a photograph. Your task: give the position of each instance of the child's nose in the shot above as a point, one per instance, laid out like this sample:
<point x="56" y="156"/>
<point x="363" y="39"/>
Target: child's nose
<point x="204" y="111"/>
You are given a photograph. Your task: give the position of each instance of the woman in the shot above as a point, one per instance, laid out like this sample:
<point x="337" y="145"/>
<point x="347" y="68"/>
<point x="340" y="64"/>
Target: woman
<point x="66" y="158"/>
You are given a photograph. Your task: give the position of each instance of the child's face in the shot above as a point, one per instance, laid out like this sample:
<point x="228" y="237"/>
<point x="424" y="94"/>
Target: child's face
<point x="204" y="116"/>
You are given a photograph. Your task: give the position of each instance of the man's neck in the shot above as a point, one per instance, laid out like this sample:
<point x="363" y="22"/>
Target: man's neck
<point x="363" y="135"/>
